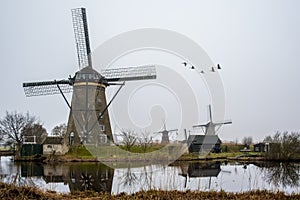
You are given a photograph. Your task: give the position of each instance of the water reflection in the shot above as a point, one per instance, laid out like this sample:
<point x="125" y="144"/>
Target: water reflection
<point x="78" y="176"/>
<point x="129" y="178"/>
<point x="203" y="176"/>
<point x="199" y="169"/>
<point x="282" y="174"/>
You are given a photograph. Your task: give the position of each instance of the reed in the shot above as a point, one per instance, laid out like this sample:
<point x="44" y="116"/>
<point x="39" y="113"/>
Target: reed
<point x="9" y="191"/>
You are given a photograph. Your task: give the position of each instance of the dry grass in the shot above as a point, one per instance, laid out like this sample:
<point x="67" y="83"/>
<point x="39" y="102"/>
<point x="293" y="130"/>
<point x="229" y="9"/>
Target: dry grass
<point x="12" y="192"/>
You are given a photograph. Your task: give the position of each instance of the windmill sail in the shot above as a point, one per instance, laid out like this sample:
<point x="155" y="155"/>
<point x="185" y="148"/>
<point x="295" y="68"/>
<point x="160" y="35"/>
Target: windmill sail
<point x="129" y="73"/>
<point x="47" y="88"/>
<point x="112" y="75"/>
<point x="81" y="37"/>
<point x="223" y="122"/>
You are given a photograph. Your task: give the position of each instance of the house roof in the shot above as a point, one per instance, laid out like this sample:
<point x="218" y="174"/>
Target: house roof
<point x="206" y="139"/>
<point x="53" y="140"/>
<point x="259" y="144"/>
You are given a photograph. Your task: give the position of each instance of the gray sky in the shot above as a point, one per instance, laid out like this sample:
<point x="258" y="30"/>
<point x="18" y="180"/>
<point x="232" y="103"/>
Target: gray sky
<point x="256" y="42"/>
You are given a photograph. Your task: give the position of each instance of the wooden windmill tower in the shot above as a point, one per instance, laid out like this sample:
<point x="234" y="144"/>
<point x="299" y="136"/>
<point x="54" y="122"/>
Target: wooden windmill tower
<point x="88" y="119"/>
<point x="210" y="127"/>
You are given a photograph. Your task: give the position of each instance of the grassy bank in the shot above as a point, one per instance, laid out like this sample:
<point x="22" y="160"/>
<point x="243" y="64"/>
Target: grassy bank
<point x="82" y="152"/>
<point x="13" y="192"/>
<point x="112" y="153"/>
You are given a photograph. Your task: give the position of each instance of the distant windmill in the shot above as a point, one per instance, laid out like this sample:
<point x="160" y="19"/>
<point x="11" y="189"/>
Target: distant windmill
<point x="210" y="127"/>
<point x="165" y="134"/>
<point x="88" y="118"/>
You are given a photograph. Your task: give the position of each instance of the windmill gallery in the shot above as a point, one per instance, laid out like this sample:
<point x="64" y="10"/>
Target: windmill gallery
<point x="89" y="121"/>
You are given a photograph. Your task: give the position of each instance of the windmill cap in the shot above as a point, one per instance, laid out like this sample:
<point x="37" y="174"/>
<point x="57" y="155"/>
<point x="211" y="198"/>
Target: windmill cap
<point x="88" y="73"/>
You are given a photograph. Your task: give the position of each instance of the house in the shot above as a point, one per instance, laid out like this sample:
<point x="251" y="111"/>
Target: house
<point x="261" y="147"/>
<point x="31" y="149"/>
<point x="55" y="146"/>
<point x="204" y="143"/>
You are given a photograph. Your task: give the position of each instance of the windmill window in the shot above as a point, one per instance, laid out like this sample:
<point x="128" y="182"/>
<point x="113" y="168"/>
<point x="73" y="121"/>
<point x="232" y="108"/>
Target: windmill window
<point x="99" y="102"/>
<point x="103" y="138"/>
<point x="102" y="128"/>
<point x="49" y="146"/>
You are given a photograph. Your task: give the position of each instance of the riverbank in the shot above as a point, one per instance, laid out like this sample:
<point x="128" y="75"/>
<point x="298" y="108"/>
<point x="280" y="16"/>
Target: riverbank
<point x="185" y="157"/>
<point x="146" y="159"/>
<point x="8" y="191"/>
<point x="155" y="154"/>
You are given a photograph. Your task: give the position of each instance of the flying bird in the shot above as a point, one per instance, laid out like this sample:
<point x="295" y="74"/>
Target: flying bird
<point x="213" y="69"/>
<point x="184" y="63"/>
<point x="202" y="72"/>
<point x="192" y="67"/>
<point x="218" y="66"/>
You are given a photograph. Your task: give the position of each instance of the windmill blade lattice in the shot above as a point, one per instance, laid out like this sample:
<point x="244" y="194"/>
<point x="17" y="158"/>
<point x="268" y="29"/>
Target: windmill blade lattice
<point x="47" y="88"/>
<point x="81" y="37"/>
<point x="129" y="73"/>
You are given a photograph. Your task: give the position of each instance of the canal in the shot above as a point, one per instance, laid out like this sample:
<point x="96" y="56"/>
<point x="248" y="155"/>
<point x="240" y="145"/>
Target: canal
<point x="129" y="178"/>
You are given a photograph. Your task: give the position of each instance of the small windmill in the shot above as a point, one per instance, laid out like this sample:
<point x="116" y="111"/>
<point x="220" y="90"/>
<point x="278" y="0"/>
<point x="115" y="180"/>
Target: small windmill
<point x="210" y="127"/>
<point x="88" y="118"/>
<point x="165" y="134"/>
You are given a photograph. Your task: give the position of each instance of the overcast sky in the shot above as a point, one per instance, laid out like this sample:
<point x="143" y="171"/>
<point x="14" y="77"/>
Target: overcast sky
<point x="256" y="42"/>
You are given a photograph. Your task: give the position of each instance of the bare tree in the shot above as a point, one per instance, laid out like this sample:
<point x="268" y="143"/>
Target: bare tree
<point x="268" y="139"/>
<point x="36" y="130"/>
<point x="145" y="141"/>
<point x="284" y="145"/>
<point x="13" y="126"/>
<point x="59" y="130"/>
<point x="247" y="141"/>
<point x="128" y="138"/>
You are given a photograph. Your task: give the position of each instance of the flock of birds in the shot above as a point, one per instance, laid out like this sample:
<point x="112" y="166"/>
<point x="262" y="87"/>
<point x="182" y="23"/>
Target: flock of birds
<point x="202" y="72"/>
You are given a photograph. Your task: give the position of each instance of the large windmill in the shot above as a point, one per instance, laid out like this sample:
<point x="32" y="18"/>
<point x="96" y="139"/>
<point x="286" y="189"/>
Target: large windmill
<point x="210" y="127"/>
<point x="88" y="119"/>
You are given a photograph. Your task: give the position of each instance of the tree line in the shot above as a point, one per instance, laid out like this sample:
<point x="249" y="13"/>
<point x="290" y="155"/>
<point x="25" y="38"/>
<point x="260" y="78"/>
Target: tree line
<point x="18" y="128"/>
<point x="283" y="145"/>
